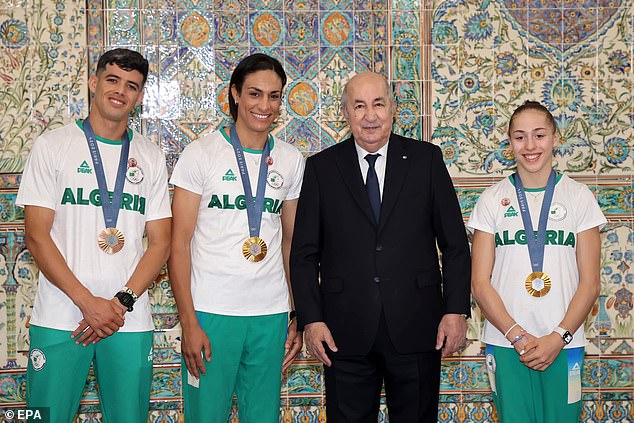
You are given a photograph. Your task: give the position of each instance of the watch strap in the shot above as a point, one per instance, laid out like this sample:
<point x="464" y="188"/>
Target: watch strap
<point x="125" y="299"/>
<point x="566" y="336"/>
<point x="131" y="292"/>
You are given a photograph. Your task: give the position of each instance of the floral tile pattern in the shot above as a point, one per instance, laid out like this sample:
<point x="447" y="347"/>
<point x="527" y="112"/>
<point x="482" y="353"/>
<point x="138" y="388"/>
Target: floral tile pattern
<point x="475" y="91"/>
<point x="42" y="73"/>
<point x="458" y="68"/>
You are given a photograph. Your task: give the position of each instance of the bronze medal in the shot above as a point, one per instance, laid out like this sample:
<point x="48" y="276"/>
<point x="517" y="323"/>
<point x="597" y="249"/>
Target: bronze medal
<point x="538" y="284"/>
<point x="111" y="240"/>
<point x="254" y="249"/>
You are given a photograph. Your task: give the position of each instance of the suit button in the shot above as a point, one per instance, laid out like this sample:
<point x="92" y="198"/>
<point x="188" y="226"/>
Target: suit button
<point x="377" y="279"/>
<point x="379" y="247"/>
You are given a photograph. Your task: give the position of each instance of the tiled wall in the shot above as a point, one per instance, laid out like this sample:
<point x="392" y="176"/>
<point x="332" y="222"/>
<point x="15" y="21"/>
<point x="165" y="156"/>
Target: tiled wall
<point x="458" y="67"/>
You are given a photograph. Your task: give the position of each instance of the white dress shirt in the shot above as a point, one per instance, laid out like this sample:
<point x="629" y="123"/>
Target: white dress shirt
<point x="379" y="166"/>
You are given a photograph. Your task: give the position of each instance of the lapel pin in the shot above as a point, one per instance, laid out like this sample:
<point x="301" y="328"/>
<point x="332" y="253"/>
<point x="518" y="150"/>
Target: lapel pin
<point x="404" y="157"/>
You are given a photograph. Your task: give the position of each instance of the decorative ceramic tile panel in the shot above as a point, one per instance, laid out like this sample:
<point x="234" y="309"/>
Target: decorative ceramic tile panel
<point x="9" y="213"/>
<point x="42" y="73"/>
<point x="510" y="54"/>
<point x="487" y="57"/>
<point x="464" y="375"/>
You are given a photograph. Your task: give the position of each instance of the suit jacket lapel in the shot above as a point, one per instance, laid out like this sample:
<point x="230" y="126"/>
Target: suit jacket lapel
<point x="348" y="164"/>
<point x="395" y="172"/>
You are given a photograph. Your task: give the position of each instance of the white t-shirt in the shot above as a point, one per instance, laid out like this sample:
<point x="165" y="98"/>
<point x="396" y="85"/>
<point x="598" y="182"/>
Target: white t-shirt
<point x="222" y="280"/>
<point x="573" y="210"/>
<point x="59" y="175"/>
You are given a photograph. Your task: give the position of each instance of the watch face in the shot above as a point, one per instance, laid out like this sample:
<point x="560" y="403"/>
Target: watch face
<point x="567" y="337"/>
<point x="125" y="299"/>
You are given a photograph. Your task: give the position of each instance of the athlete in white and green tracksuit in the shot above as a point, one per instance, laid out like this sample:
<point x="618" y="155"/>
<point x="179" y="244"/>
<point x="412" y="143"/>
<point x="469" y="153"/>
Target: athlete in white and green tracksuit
<point x="76" y="319"/>
<point x="232" y="294"/>
<point x="534" y="336"/>
<point x="59" y="175"/>
<point x="241" y="305"/>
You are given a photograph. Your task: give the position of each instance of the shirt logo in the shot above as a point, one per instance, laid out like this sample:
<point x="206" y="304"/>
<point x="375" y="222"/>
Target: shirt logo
<point x="511" y="212"/>
<point x="275" y="179"/>
<point x="227" y="202"/>
<point x="84" y="168"/>
<point x="519" y="238"/>
<point x="557" y="212"/>
<point x="133" y="202"/>
<point x="229" y="176"/>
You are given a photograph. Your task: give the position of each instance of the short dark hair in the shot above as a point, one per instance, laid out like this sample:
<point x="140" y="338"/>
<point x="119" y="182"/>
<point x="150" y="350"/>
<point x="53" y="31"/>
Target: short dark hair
<point x="126" y="59"/>
<point x="250" y="64"/>
<point x="533" y="105"/>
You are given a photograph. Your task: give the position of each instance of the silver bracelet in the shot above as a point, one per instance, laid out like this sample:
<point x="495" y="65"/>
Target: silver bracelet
<point x="510" y="329"/>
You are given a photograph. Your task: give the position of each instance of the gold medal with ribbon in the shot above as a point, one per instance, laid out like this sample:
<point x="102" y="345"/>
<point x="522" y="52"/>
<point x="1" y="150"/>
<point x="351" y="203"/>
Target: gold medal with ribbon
<point x="254" y="249"/>
<point x="538" y="284"/>
<point x="111" y="240"/>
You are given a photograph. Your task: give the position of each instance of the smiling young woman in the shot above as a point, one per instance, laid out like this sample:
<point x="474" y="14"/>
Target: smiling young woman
<point x="535" y="275"/>
<point x="230" y="258"/>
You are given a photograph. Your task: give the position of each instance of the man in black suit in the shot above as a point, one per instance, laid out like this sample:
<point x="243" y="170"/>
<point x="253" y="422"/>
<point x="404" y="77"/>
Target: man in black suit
<point x="364" y="264"/>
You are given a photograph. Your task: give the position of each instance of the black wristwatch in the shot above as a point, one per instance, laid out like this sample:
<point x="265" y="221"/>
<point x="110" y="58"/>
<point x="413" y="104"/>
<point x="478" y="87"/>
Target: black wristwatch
<point x="292" y="315"/>
<point x="126" y="298"/>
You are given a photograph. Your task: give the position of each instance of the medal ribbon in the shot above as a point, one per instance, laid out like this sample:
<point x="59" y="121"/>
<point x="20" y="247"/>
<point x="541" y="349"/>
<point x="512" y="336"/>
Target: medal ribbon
<point x="536" y="244"/>
<point x="109" y="207"/>
<point x="254" y="205"/>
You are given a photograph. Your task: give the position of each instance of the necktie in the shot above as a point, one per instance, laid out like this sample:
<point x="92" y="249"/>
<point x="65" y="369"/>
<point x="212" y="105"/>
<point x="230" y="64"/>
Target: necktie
<point x="372" y="186"/>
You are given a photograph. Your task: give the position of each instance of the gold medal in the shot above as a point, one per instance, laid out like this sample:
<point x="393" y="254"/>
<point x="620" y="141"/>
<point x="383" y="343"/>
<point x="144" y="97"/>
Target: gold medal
<point x="538" y="284"/>
<point x="254" y="249"/>
<point x="111" y="240"/>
